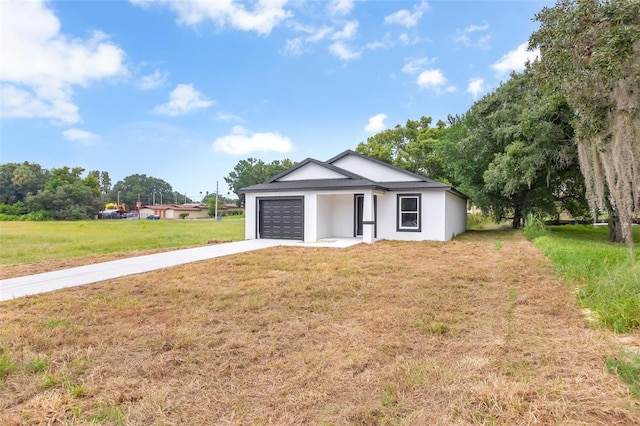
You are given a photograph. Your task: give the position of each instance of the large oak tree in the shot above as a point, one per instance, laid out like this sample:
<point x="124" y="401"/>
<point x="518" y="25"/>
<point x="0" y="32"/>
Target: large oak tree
<point x="590" y="51"/>
<point x="517" y="154"/>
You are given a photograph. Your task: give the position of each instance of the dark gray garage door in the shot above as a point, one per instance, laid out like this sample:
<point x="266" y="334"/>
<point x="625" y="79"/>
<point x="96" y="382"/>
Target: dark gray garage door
<point x="281" y="218"/>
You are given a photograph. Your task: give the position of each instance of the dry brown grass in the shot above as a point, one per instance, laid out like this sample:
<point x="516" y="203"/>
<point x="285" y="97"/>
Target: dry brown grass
<point x="464" y="332"/>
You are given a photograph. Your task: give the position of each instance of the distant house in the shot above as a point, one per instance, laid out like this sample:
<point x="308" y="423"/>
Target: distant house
<point x="352" y="195"/>
<point x="173" y="211"/>
<point x="229" y="206"/>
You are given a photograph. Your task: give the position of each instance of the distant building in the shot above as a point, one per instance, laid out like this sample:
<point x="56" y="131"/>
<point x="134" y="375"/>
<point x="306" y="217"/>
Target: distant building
<point x="173" y="211"/>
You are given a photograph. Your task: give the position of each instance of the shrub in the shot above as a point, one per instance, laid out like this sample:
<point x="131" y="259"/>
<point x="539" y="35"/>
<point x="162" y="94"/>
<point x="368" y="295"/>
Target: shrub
<point x="533" y="226"/>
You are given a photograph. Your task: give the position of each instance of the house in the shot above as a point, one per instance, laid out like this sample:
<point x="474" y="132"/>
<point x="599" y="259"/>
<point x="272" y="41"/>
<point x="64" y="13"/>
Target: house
<point x="352" y="195"/>
<point x="173" y="211"/>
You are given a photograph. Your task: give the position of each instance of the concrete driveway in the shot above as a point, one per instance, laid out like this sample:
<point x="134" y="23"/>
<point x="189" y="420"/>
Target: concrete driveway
<point x="40" y="283"/>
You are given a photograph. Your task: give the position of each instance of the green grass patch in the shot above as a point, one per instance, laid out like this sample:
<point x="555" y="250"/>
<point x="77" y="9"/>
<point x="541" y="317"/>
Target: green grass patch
<point x="58" y="323"/>
<point x="105" y="413"/>
<point x="36" y="365"/>
<point x="7" y="366"/>
<point x="627" y="366"/>
<point x="608" y="281"/>
<point x="26" y="242"/>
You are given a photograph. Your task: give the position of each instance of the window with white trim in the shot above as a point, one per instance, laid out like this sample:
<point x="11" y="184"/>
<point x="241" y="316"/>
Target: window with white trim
<point x="409" y="212"/>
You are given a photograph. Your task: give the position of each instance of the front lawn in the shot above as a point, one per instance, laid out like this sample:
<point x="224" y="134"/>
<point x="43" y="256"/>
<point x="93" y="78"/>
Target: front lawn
<point x="27" y="242"/>
<point x="473" y="331"/>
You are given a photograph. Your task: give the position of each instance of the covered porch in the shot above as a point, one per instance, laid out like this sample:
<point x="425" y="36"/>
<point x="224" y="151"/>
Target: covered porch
<point x="341" y="214"/>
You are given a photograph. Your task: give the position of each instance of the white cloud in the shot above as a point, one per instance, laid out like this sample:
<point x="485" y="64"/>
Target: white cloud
<point x="41" y="66"/>
<point x="515" y="59"/>
<point x="242" y="141"/>
<point x="340" y="7"/>
<point x="318" y="35"/>
<point x="182" y="100"/>
<point x="431" y="78"/>
<point x="434" y="79"/>
<point x="20" y="103"/>
<point x="296" y="46"/>
<point x="376" y="123"/>
<point x="343" y="52"/>
<point x="385" y="43"/>
<point x="87" y="138"/>
<point x="293" y="47"/>
<point x="264" y="17"/>
<point x="152" y="81"/>
<point x="406" y="40"/>
<point x="407" y="18"/>
<point x="476" y="87"/>
<point x="348" y="32"/>
<point x="464" y="36"/>
<point x="415" y="65"/>
<point x="227" y="116"/>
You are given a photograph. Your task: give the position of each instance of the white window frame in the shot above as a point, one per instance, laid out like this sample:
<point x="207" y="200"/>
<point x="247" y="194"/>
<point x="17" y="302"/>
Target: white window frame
<point x="418" y="226"/>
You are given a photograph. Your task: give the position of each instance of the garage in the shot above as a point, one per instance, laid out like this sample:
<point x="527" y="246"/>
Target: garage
<point x="281" y="218"/>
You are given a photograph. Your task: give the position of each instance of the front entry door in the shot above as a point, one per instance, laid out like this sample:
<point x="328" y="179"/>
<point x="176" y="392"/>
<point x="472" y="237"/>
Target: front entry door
<point x="359" y="214"/>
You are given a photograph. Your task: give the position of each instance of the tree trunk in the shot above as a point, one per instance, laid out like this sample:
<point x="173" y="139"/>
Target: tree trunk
<point x="614" y="224"/>
<point x="615" y="230"/>
<point x="517" y="217"/>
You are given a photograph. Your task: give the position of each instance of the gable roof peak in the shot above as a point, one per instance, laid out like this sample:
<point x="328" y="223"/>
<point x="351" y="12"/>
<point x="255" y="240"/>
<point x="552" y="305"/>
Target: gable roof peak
<point x="382" y="163"/>
<point x="309" y="160"/>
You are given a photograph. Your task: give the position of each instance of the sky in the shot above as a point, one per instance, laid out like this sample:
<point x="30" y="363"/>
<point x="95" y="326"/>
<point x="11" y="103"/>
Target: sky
<point x="184" y="90"/>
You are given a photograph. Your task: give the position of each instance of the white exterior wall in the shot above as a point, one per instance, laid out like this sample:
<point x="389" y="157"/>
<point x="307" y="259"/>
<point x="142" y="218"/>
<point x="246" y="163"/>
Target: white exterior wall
<point x="250" y="214"/>
<point x="456" y="214"/>
<point x="371" y="170"/>
<point x="432" y="218"/>
<point x="310" y="217"/>
<point x="144" y="212"/>
<point x="312" y="171"/>
<point x="343" y="214"/>
<point x="331" y="214"/>
<point x="325" y="216"/>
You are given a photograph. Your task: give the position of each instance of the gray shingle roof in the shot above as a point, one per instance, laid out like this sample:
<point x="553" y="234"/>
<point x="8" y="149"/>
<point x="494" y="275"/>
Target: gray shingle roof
<point x="350" y="182"/>
<point x="313" y="184"/>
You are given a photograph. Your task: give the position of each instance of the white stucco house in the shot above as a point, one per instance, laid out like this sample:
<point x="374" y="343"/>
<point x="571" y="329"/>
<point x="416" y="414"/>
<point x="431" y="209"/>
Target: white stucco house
<point x="352" y="195"/>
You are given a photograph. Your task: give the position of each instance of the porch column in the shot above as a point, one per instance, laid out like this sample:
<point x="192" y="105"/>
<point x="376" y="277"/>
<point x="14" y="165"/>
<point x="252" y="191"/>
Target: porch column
<point x="310" y="218"/>
<point x="368" y="216"/>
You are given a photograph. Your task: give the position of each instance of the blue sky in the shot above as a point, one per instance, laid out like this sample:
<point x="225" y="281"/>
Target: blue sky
<point x="183" y="90"/>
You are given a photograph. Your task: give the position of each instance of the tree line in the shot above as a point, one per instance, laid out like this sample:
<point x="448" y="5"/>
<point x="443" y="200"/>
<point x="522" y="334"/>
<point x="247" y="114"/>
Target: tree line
<point x="30" y="192"/>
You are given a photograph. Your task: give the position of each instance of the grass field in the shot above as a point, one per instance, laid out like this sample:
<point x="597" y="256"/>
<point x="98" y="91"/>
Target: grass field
<point x="30" y="247"/>
<point x="473" y="331"/>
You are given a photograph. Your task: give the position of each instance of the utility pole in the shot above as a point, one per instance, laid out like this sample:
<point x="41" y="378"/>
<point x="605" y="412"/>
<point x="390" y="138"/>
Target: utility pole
<point x="216" y="209"/>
